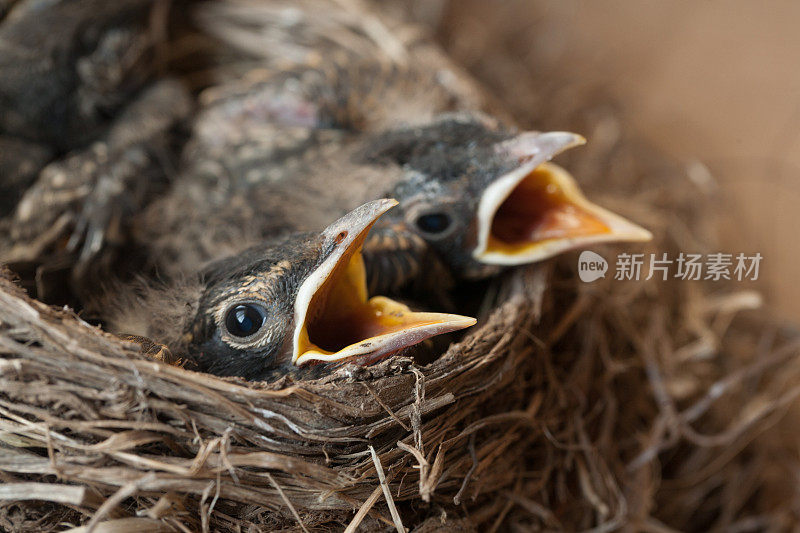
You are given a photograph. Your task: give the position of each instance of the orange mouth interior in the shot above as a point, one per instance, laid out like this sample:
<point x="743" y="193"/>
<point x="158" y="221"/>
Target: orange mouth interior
<point x="342" y="323"/>
<point x="342" y="316"/>
<point x="540" y="209"/>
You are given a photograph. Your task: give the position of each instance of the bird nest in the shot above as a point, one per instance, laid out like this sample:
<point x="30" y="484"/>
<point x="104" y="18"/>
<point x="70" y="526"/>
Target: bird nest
<point x="573" y="406"/>
<point x="651" y="404"/>
<point x="91" y="425"/>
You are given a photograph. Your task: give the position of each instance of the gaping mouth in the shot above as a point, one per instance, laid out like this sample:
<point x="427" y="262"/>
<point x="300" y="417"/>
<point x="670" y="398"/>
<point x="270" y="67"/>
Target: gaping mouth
<point x="335" y="320"/>
<point x="541" y="212"/>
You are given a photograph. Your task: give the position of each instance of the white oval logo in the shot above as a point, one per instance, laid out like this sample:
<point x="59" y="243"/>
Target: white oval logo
<point x="591" y="266"/>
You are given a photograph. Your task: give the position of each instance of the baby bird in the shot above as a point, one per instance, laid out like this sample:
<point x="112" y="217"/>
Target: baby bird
<point x="286" y="306"/>
<point x="337" y="110"/>
<point x="66" y="66"/>
<point x="84" y="139"/>
<point x="481" y="197"/>
<point x="276" y="152"/>
<point x="76" y="214"/>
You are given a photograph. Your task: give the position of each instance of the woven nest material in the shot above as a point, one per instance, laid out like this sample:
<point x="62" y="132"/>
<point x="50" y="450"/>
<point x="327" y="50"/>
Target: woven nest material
<point x="574" y="406"/>
<point x="647" y="405"/>
<point x="110" y="425"/>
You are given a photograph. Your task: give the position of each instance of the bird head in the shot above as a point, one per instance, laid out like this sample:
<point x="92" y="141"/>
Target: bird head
<point x="302" y="300"/>
<point x="483" y="197"/>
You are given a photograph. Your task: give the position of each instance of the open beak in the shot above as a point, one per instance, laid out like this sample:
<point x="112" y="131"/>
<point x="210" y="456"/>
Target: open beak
<point x="334" y="318"/>
<point x="537" y="210"/>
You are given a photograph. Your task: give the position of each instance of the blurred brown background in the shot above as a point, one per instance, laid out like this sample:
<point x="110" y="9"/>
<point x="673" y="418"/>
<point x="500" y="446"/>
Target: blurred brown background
<point x="717" y="82"/>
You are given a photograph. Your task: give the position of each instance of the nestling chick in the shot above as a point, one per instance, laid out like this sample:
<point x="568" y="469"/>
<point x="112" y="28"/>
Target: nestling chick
<point x="482" y="197"/>
<point x="81" y="145"/>
<point x="285" y="306"/>
<point x="474" y="196"/>
<point x="361" y="114"/>
<point x="77" y="212"/>
<point x="66" y="66"/>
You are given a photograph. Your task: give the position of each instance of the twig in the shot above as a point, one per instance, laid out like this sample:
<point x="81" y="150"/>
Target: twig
<point x="125" y="491"/>
<point x="398" y="523"/>
<point x="468" y="476"/>
<point x="205" y="514"/>
<point x="416" y="413"/>
<point x="423" y="465"/>
<point x="67" y="494"/>
<point x="363" y="510"/>
<point x="386" y="407"/>
<point x="287" y="502"/>
<point x="533" y="508"/>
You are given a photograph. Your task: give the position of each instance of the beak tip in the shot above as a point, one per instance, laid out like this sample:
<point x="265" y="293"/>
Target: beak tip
<point x="459" y="322"/>
<point x="372" y="210"/>
<point x="469" y="322"/>
<point x="634" y="233"/>
<point x="379" y="207"/>
<point x="453" y="323"/>
<point x="384" y="205"/>
<point x="562" y="140"/>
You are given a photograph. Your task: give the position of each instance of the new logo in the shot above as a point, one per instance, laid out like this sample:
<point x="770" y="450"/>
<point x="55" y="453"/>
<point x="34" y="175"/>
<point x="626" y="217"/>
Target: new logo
<point x="591" y="266"/>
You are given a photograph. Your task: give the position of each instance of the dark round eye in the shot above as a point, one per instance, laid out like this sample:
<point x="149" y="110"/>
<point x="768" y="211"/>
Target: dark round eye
<point x="434" y="223"/>
<point x="245" y="320"/>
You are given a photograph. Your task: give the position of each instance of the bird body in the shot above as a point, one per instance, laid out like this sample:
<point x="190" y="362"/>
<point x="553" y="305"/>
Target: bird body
<point x="284" y="306"/>
<point x="67" y="65"/>
<point x="81" y="206"/>
<point x="276" y="154"/>
<point x="84" y="140"/>
<point x="279" y="151"/>
<point x="289" y="146"/>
